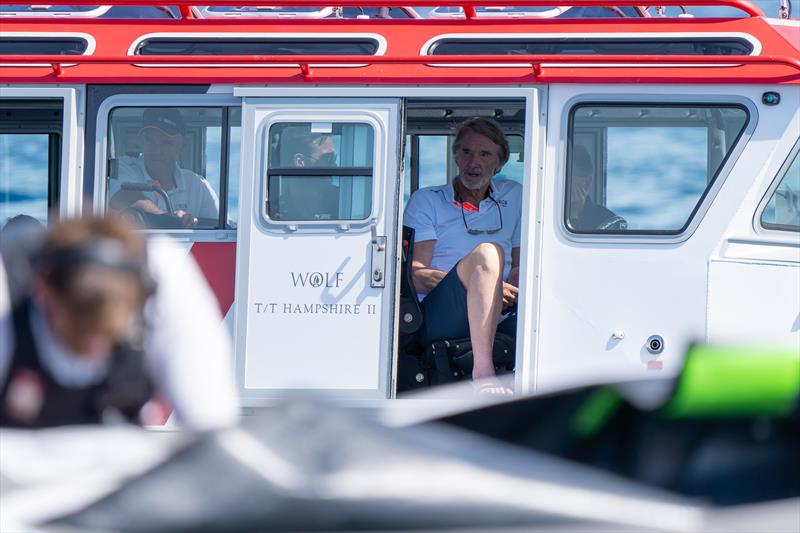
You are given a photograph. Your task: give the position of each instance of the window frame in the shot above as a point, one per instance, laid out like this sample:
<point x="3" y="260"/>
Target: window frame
<point x="69" y="185"/>
<point x="777" y="229"/>
<point x="704" y="201"/>
<point x="265" y="172"/>
<point x="427" y="47"/>
<point x="185" y="100"/>
<point x="379" y="39"/>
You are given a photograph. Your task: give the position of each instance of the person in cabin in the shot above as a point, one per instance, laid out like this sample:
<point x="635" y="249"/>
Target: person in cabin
<point x="584" y="213"/>
<point x="112" y="328"/>
<point x="465" y="259"/>
<point x="163" y="135"/>
<point x="305" y="197"/>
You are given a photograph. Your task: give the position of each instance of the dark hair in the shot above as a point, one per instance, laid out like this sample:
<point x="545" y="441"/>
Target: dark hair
<point x="581" y="161"/>
<point x="299" y="140"/>
<point x="490" y="129"/>
<point x="76" y="250"/>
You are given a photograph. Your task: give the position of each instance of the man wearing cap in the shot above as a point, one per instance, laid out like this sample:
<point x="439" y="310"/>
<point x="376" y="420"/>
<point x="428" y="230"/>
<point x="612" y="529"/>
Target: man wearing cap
<point x="163" y="136"/>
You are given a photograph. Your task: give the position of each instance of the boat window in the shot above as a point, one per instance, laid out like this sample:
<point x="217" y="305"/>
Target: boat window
<point x="30" y="158"/>
<point x="320" y="171"/>
<point x="234" y="144"/>
<point x="278" y="46"/>
<point x="429" y="161"/>
<point x="305" y="12"/>
<point x="644" y="169"/>
<point x="593" y="45"/>
<point x="45" y="11"/>
<point x="169" y="166"/>
<point x="375" y="12"/>
<point x="783" y="209"/>
<point x="538" y="12"/>
<point x="67" y="46"/>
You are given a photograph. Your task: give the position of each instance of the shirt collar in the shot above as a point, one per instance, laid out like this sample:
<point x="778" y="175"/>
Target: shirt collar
<point x="67" y="369"/>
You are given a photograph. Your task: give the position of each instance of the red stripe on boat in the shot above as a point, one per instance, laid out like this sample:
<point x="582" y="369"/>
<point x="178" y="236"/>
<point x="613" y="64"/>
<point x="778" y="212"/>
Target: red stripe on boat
<point x="217" y="260"/>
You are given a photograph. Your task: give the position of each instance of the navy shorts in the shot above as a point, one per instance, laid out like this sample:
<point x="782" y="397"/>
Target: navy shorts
<point x="445" y="310"/>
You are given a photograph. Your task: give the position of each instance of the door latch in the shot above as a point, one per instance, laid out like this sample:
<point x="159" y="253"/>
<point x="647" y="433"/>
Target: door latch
<point x="377" y="278"/>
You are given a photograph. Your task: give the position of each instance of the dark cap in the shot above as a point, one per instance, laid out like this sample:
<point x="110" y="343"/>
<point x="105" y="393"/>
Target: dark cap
<point x="166" y="119"/>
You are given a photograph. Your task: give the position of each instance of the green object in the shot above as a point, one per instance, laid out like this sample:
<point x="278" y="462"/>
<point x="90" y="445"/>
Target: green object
<point x="722" y="381"/>
<point x="595" y="412"/>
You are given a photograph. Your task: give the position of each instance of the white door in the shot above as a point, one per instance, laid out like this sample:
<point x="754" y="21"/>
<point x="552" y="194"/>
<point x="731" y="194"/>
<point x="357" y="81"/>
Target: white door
<point x="316" y="252"/>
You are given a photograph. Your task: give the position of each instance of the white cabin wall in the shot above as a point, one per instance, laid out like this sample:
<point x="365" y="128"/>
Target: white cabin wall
<point x="588" y="290"/>
<point x="754" y="274"/>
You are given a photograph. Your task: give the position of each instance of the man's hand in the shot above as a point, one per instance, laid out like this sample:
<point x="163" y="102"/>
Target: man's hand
<point x="513" y="277"/>
<point x="510" y="293"/>
<point x="187" y="219"/>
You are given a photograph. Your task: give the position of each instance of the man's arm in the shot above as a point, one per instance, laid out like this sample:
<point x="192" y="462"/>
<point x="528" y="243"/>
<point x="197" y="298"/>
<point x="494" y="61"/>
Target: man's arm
<point x="510" y="286"/>
<point x="425" y="278"/>
<point x="125" y="199"/>
<point x="513" y="275"/>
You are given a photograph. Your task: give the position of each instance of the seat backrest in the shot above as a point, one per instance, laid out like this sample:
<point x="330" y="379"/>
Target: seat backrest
<point x="407" y="283"/>
<point x="410" y="310"/>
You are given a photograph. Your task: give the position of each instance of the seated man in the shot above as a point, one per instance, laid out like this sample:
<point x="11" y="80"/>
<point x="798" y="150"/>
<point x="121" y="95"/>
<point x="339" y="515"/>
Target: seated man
<point x="584" y="214"/>
<point x="305" y="197"/>
<point x="466" y="256"/>
<point x="192" y="197"/>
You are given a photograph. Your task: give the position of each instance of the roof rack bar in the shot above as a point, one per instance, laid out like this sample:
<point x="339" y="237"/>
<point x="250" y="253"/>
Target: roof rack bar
<point x="499" y="61"/>
<point x="747" y="6"/>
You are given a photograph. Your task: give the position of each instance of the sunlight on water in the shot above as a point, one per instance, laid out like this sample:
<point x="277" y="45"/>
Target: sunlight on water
<point x="23" y="175"/>
<point x="655" y="175"/>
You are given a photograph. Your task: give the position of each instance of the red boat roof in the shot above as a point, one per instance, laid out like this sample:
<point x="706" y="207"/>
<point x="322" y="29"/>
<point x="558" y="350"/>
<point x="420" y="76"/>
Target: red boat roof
<point x="476" y="50"/>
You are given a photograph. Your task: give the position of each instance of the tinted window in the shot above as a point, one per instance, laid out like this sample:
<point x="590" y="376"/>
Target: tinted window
<point x="255" y="46"/>
<point x="644" y="168"/>
<point x="783" y="209"/>
<point x="320" y="171"/>
<point x="30" y="158"/>
<point x="605" y="46"/>
<point x="24" y="175"/>
<point x="235" y="143"/>
<point x="167" y="163"/>
<point x="374" y="12"/>
<point x="42" y="46"/>
<point x="543" y="11"/>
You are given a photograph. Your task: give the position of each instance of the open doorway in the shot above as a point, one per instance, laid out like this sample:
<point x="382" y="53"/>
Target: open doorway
<point x="430" y="168"/>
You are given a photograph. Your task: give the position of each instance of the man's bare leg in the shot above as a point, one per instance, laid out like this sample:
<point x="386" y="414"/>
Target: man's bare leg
<point x="481" y="273"/>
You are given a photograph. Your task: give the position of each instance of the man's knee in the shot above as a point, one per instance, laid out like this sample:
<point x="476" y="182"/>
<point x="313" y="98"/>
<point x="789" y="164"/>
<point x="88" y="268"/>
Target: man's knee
<point x="487" y="257"/>
<point x="489" y="254"/>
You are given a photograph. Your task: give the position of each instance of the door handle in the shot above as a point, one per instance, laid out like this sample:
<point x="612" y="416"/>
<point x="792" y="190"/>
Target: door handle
<point x="377" y="271"/>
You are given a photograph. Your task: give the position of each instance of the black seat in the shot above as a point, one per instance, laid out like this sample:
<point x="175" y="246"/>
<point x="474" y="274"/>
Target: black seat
<point x="439" y="361"/>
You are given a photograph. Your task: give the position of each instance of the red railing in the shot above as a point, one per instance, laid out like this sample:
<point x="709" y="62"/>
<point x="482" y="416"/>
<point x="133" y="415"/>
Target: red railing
<point x="306" y="63"/>
<point x="746" y="6"/>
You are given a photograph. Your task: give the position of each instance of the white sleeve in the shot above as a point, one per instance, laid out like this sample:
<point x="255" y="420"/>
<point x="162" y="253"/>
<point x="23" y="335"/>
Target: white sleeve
<point x="419" y="214"/>
<point x="127" y="170"/>
<point x="210" y="207"/>
<point x="6" y="329"/>
<point x="187" y="346"/>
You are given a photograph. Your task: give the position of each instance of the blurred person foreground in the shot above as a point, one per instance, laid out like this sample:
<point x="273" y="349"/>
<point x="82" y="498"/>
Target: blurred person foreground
<point x="95" y="329"/>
